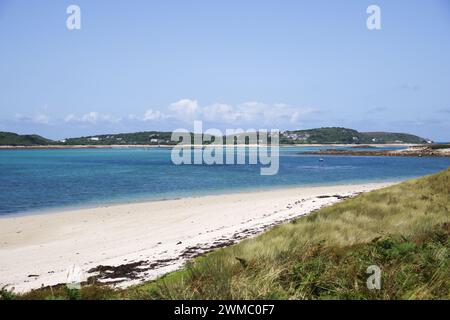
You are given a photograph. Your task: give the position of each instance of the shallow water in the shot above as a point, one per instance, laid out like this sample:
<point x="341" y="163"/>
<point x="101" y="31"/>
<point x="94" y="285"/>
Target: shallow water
<point x="33" y="180"/>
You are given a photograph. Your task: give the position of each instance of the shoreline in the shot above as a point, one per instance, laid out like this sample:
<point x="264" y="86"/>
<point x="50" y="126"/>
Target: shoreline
<point x="124" y="146"/>
<point x="222" y="192"/>
<point x="411" y="152"/>
<point x="138" y="242"/>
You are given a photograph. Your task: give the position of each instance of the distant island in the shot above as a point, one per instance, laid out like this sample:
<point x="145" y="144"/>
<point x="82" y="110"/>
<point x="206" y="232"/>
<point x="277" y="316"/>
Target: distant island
<point x="14" y="139"/>
<point x="329" y="135"/>
<point x="337" y="135"/>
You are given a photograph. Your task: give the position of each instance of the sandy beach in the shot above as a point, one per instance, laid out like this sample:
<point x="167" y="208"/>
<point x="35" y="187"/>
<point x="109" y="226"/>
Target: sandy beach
<point x="141" y="241"/>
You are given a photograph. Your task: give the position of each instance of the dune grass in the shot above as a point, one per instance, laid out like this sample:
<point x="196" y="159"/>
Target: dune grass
<point x="403" y="229"/>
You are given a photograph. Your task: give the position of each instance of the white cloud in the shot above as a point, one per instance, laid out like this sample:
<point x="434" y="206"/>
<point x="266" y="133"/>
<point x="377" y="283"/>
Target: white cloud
<point x="250" y="113"/>
<point x="277" y="114"/>
<point x="92" y="117"/>
<point x="149" y="115"/>
<point x="184" y="109"/>
<point x="41" y="118"/>
<point x="280" y="113"/>
<point x="221" y="112"/>
<point x="38" y="118"/>
<point x="152" y="115"/>
<point x="70" y="118"/>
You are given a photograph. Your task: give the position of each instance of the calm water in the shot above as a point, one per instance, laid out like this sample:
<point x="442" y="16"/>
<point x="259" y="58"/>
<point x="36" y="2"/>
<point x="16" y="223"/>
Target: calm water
<point x="32" y="180"/>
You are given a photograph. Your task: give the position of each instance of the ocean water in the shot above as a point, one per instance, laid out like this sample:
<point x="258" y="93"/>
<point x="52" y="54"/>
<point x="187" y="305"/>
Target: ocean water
<point x="37" y="180"/>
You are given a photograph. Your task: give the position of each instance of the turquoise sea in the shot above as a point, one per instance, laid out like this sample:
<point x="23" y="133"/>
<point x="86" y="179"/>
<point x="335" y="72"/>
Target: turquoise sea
<point x="36" y="180"/>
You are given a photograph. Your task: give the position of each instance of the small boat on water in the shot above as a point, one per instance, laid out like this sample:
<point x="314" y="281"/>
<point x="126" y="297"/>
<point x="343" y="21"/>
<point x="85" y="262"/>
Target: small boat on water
<point x="321" y="160"/>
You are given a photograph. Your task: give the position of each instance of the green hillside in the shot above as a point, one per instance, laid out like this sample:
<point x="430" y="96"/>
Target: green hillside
<point x="13" y="139"/>
<point x="146" y="137"/>
<point x="137" y="138"/>
<point x="390" y="137"/>
<point x="333" y="135"/>
<point x="330" y="135"/>
<point x="321" y="136"/>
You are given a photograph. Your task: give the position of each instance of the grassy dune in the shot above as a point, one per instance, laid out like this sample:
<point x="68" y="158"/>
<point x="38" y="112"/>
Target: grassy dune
<point x="404" y="229"/>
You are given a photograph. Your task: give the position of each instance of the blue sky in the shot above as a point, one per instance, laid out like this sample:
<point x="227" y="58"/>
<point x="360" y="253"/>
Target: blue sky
<point x="158" y="65"/>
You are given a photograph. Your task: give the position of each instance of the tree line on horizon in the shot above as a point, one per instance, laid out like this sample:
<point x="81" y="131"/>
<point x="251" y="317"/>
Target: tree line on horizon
<point x="328" y="135"/>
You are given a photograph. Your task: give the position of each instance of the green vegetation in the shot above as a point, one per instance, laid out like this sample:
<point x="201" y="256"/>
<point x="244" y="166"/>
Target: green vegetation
<point x="147" y="137"/>
<point x="403" y="229"/>
<point x="319" y="136"/>
<point x="343" y="135"/>
<point x="6" y="295"/>
<point x="13" y="139"/>
<point x="390" y="137"/>
<point x="138" y="138"/>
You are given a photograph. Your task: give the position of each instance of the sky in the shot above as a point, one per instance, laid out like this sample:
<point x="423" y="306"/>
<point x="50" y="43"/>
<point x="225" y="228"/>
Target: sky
<point x="260" y="64"/>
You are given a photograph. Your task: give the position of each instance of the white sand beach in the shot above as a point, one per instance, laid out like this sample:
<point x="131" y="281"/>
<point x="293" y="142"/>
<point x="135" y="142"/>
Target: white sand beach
<point x="150" y="238"/>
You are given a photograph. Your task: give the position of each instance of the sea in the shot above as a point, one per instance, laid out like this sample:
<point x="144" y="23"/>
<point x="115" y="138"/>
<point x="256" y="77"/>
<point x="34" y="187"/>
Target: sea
<point x="34" y="181"/>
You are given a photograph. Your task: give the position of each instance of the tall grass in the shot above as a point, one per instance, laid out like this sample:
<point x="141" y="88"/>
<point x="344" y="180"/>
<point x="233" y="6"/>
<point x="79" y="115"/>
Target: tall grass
<point x="404" y="229"/>
<point x="326" y="253"/>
